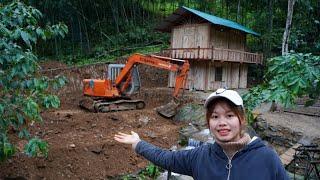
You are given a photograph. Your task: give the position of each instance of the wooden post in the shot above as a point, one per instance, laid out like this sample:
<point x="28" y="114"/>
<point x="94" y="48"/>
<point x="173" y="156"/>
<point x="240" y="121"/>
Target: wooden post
<point x="212" y="54"/>
<point x="198" y="52"/>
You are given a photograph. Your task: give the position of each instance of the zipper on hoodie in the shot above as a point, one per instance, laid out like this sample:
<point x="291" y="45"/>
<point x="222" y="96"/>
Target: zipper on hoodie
<point x="229" y="165"/>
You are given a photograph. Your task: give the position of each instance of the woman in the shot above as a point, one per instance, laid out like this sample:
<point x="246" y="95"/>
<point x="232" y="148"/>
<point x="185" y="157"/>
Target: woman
<point x="234" y="155"/>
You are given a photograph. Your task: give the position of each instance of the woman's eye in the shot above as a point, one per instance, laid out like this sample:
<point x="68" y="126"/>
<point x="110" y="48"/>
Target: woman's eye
<point x="230" y="115"/>
<point x="214" y="117"/>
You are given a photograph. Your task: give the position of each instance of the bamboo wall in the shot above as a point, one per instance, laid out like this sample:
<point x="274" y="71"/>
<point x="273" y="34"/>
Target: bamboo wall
<point x="190" y="36"/>
<point x="227" y="38"/>
<point x="202" y="76"/>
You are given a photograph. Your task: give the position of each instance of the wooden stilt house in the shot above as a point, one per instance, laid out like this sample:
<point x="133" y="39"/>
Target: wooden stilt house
<point x="215" y="47"/>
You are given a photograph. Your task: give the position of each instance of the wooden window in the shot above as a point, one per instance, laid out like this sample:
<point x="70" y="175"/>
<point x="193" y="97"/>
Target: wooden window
<point x="218" y="74"/>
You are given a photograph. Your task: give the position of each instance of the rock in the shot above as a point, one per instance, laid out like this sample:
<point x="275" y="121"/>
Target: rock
<point x="41" y="165"/>
<point x="68" y="115"/>
<point x="187" y="131"/>
<point x="82" y="128"/>
<point x="150" y="134"/>
<point x="173" y="176"/>
<point x="96" y="150"/>
<point x="72" y="145"/>
<point x="144" y="120"/>
<point x="113" y="118"/>
<point x="273" y="129"/>
<point x="191" y="112"/>
<point x="202" y="136"/>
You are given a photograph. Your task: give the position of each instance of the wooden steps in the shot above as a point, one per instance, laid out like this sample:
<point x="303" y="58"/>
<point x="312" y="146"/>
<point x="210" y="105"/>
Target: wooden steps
<point x="288" y="156"/>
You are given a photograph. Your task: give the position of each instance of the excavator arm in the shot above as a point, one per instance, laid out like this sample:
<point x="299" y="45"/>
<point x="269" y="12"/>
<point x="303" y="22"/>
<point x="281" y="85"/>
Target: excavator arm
<point x="157" y="62"/>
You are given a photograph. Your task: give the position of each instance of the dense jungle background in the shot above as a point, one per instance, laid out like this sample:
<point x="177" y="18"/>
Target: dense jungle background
<point x="102" y="30"/>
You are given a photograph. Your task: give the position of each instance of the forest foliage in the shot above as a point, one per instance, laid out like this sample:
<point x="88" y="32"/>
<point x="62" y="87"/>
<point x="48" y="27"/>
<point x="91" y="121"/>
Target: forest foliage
<point x="24" y="91"/>
<point x="101" y="30"/>
<point x="288" y="77"/>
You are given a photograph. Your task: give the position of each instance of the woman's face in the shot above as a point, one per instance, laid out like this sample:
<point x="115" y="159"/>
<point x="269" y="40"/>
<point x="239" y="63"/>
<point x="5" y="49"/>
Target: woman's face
<point x="224" y="124"/>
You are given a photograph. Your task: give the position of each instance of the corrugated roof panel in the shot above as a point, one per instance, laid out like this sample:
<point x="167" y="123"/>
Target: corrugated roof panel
<point x="167" y="23"/>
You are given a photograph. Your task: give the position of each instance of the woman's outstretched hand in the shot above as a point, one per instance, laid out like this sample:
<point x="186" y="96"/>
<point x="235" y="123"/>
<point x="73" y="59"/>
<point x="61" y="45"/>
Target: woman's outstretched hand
<point x="132" y="138"/>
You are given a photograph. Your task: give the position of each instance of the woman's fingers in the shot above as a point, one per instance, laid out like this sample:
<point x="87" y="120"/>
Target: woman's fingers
<point x="124" y="134"/>
<point x="123" y="138"/>
<point x="127" y="138"/>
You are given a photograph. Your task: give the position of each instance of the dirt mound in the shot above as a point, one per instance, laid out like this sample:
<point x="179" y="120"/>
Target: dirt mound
<point x="81" y="143"/>
<point x="47" y="65"/>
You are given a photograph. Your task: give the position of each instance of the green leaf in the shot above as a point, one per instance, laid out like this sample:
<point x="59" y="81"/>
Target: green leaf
<point x="1" y="109"/>
<point x="36" y="147"/>
<point x="20" y="118"/>
<point x="6" y="148"/>
<point x="26" y="37"/>
<point x="24" y="133"/>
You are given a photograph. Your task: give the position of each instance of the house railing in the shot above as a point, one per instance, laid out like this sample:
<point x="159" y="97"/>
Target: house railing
<point x="218" y="54"/>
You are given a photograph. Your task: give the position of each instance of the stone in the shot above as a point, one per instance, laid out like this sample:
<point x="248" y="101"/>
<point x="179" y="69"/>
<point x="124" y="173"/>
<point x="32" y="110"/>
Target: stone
<point x="72" y="145"/>
<point x="144" y="120"/>
<point x="203" y="135"/>
<point x="96" y="150"/>
<point x="152" y="135"/>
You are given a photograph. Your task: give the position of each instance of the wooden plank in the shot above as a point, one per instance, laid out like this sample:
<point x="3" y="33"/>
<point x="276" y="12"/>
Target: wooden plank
<point x="288" y="156"/>
<point x="199" y="75"/>
<point x="235" y="75"/>
<point x="202" y="34"/>
<point x="227" y="74"/>
<point x="211" y="76"/>
<point x="243" y="76"/>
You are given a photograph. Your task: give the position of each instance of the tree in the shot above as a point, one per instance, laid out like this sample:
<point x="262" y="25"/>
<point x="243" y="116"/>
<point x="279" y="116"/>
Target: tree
<point x="24" y="92"/>
<point x="286" y="33"/>
<point x="287" y="78"/>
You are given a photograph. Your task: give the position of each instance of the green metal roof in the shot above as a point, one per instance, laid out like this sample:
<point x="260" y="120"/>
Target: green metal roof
<point x="223" y="22"/>
<point x="180" y="12"/>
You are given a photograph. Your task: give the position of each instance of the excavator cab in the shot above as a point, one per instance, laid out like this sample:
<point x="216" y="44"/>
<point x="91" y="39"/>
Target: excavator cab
<point x="113" y="72"/>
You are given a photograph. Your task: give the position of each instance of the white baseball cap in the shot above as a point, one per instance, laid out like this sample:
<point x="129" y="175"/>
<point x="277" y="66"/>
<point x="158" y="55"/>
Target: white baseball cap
<point x="231" y="95"/>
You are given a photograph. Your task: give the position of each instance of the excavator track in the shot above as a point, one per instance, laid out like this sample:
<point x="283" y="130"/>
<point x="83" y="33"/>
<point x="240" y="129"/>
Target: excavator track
<point x="119" y="105"/>
<point x="111" y="106"/>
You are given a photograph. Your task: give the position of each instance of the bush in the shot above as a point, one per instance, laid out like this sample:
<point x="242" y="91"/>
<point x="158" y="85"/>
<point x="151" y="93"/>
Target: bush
<point x="23" y="90"/>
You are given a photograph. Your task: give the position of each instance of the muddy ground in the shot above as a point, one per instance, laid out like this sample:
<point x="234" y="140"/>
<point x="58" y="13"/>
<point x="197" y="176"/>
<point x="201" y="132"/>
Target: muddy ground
<point x="82" y="146"/>
<point x="81" y="143"/>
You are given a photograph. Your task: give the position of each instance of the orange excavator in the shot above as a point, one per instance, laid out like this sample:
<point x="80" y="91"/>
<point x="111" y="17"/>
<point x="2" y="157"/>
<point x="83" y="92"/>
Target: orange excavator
<point x="112" y="94"/>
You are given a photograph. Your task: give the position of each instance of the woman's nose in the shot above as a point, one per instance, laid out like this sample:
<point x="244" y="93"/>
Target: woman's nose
<point x="221" y="122"/>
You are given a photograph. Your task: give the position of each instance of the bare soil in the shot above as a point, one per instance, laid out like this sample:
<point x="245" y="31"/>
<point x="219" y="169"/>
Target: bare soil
<point x="81" y="143"/>
<point x="307" y="126"/>
<point x="82" y="146"/>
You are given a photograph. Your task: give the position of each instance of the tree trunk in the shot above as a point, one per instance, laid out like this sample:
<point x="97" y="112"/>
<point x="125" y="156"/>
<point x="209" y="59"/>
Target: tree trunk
<point x="238" y="11"/>
<point x="270" y="28"/>
<point x="286" y="33"/>
<point x="88" y="48"/>
<point x="270" y="14"/>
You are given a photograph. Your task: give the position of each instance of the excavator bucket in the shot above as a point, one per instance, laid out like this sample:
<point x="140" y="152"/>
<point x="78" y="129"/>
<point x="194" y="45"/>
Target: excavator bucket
<point x="168" y="110"/>
<point x="87" y="103"/>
